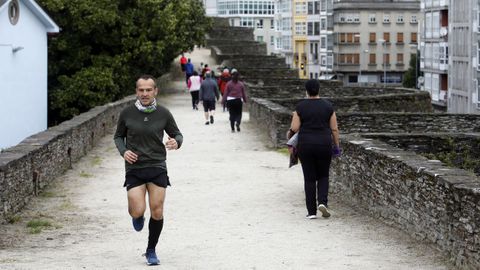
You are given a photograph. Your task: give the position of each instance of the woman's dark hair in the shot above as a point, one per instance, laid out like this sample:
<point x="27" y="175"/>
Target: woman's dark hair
<point x="195" y="73"/>
<point x="313" y="87"/>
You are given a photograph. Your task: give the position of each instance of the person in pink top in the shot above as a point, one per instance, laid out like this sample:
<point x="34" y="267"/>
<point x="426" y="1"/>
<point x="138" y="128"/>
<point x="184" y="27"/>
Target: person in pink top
<point x="234" y="96"/>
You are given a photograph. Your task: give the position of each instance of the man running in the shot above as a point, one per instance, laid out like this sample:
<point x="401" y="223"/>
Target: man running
<point x="139" y="139"/>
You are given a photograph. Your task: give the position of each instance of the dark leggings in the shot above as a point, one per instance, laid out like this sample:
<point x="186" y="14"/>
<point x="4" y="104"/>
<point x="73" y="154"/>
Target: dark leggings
<point x="315" y="160"/>
<point x="235" y="111"/>
<point x="194" y="98"/>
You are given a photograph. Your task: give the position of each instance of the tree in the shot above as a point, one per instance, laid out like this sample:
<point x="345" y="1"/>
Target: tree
<point x="105" y="45"/>
<point x="409" y="78"/>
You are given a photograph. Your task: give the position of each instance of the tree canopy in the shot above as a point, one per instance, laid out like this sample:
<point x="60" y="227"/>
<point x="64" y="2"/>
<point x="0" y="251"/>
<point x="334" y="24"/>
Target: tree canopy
<point x="105" y="45"/>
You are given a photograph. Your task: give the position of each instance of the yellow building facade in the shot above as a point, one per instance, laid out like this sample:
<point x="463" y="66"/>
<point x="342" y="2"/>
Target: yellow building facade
<point x="299" y="37"/>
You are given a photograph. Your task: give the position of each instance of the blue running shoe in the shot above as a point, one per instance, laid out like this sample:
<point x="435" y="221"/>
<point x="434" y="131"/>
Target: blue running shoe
<point x="152" y="257"/>
<point x="138" y="223"/>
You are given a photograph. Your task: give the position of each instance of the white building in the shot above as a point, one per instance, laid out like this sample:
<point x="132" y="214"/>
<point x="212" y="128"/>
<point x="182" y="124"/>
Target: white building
<point x="23" y="69"/>
<point x="210" y="7"/>
<point x="257" y="14"/>
<point x="283" y="42"/>
<point x="434" y="50"/>
<point x="463" y="65"/>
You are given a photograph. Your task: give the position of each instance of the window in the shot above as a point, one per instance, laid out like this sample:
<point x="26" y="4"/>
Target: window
<point x="316" y="28"/>
<point x="272" y="24"/>
<point x="316" y="8"/>
<point x="310" y="29"/>
<point x="272" y="40"/>
<point x="373" y="59"/>
<point x="300" y="8"/>
<point x="372" y="18"/>
<point x="323" y="6"/>
<point x="413" y="38"/>
<point x="400" y="58"/>
<point x="13" y="12"/>
<point x="399" y="37"/>
<point x="413" y="19"/>
<point x="373" y="38"/>
<point x="323" y="24"/>
<point x="323" y="42"/>
<point x="386" y="18"/>
<point x="300" y="28"/>
<point x="260" y="23"/>
<point x="386" y="58"/>
<point x="246" y="22"/>
<point x="356" y="37"/>
<point x="260" y="38"/>
<point x="386" y="37"/>
<point x="310" y="8"/>
<point x="349" y="58"/>
<point x="400" y="19"/>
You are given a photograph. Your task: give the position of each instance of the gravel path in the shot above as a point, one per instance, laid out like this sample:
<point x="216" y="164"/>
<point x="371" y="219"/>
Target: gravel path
<point x="233" y="204"/>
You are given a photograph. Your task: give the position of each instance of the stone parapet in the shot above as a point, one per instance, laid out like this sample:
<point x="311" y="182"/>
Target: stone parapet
<point x="423" y="197"/>
<point x="417" y="102"/>
<point x="28" y="167"/>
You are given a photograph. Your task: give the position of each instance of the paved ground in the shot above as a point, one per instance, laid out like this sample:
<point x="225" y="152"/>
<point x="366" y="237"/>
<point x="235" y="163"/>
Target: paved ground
<point x="233" y="204"/>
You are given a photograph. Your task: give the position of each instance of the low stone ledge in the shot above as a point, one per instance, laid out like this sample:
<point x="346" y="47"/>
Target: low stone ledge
<point x="417" y="102"/>
<point x="423" y="197"/>
<point x="28" y="167"/>
<point x="400" y="122"/>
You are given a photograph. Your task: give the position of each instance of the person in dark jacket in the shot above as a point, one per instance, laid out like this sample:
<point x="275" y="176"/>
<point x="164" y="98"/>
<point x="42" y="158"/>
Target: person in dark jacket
<point x="234" y="97"/>
<point x="139" y="140"/>
<point x="189" y="69"/>
<point x="208" y="95"/>
<point x="318" y="139"/>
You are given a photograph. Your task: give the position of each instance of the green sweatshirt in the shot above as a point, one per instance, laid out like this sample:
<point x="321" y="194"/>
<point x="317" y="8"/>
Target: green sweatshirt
<point x="142" y="133"/>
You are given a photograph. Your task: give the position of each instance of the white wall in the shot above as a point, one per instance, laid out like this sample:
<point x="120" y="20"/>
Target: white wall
<point x="23" y="78"/>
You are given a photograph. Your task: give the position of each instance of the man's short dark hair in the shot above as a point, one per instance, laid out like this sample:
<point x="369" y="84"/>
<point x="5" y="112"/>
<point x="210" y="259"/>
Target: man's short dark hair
<point x="313" y="87"/>
<point x="147" y="77"/>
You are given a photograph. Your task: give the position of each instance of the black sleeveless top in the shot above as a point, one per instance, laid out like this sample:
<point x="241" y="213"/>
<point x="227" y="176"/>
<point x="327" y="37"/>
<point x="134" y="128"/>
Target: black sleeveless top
<point x="315" y="121"/>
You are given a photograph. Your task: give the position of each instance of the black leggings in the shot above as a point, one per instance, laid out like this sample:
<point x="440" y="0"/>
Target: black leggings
<point x="235" y="111"/>
<point x="194" y="98"/>
<point x="315" y="160"/>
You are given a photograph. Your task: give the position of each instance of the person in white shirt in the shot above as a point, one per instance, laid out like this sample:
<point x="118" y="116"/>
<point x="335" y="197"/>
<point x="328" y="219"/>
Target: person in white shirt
<point x="194" y="83"/>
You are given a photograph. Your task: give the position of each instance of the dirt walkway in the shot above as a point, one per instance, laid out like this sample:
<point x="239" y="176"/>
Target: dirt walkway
<point x="233" y="204"/>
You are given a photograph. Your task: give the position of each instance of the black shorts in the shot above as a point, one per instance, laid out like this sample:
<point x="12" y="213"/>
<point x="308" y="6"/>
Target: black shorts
<point x="138" y="177"/>
<point x="208" y="105"/>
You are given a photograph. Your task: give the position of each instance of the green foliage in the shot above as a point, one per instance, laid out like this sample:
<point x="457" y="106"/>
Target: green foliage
<point x="409" y="76"/>
<point x="105" y="45"/>
<point x="455" y="154"/>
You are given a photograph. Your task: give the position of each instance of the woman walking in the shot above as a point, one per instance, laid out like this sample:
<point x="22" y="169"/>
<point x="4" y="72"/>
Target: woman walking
<point x="234" y="97"/>
<point x="194" y="83"/>
<point x="318" y="139"/>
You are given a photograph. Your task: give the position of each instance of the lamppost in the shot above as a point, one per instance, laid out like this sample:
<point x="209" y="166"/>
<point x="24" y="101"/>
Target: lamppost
<point x="360" y="70"/>
<point x="384" y="44"/>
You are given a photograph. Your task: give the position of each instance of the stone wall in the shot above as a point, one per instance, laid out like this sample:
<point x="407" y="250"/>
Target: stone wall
<point x="423" y="197"/>
<point x="417" y="102"/>
<point x="28" y="167"/>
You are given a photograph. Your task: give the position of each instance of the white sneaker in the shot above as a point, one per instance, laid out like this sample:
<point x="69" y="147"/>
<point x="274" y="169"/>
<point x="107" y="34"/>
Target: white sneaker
<point x="322" y="208"/>
<point x="311" y="216"/>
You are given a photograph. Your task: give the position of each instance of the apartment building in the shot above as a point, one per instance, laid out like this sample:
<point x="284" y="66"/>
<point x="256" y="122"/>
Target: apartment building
<point x="257" y="14"/>
<point x="210" y="7"/>
<point x="374" y="40"/>
<point x="434" y="50"/>
<point x="319" y="59"/>
<point x="463" y="44"/>
<point x="283" y="38"/>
